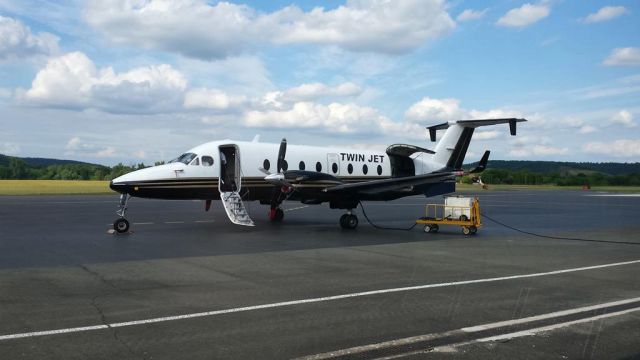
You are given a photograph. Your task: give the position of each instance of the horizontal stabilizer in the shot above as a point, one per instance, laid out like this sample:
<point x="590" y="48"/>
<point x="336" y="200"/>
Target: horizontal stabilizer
<point x="474" y="124"/>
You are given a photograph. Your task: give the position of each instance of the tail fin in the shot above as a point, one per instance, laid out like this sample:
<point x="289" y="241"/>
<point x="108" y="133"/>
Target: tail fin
<point x="452" y="148"/>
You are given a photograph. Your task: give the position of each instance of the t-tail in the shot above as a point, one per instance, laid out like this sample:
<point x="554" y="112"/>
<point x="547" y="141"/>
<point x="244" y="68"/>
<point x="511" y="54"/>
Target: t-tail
<point x="452" y="147"/>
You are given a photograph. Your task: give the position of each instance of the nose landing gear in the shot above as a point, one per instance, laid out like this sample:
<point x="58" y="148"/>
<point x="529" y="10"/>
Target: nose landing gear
<point x="121" y="225"/>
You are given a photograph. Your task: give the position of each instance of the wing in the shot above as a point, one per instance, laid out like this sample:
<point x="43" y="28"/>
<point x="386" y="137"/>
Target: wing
<point x="378" y="186"/>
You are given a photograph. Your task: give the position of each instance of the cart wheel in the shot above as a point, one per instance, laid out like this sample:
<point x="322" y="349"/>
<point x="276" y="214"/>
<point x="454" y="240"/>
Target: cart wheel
<point x="427" y="228"/>
<point x="466" y="230"/>
<point x="473" y="230"/>
<point x="464" y="218"/>
<point x="435" y="228"/>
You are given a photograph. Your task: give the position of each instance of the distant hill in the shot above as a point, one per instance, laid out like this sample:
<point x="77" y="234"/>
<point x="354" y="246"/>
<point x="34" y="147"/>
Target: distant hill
<point x="42" y="162"/>
<point x="564" y="168"/>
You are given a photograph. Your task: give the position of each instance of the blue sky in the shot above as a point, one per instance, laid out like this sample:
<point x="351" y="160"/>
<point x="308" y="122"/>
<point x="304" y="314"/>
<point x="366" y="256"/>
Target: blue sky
<point x="143" y="80"/>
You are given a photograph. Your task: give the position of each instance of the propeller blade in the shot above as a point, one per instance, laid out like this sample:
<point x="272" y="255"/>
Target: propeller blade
<point x="281" y="154"/>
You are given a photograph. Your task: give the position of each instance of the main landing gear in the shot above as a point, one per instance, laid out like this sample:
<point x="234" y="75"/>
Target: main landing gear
<point x="121" y="225"/>
<point x="349" y="221"/>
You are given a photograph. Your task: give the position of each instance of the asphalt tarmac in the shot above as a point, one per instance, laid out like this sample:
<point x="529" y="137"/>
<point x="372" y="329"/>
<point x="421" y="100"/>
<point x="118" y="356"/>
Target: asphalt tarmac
<point x="188" y="284"/>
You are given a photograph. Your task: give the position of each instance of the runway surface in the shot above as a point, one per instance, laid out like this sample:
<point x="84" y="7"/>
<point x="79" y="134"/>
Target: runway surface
<point x="189" y="284"/>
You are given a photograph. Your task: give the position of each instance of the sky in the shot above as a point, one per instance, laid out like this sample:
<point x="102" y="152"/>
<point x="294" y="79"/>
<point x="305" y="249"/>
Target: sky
<point x="144" y="80"/>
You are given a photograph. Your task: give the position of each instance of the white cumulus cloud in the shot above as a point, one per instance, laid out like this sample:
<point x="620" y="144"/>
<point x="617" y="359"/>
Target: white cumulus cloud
<point x="587" y="129"/>
<point x="605" y="14"/>
<point x="628" y="56"/>
<point x="197" y="29"/>
<point x="429" y="109"/>
<point x="618" y="148"/>
<point x="470" y="14"/>
<point x="214" y="99"/>
<point x="525" y="15"/>
<point x="335" y="117"/>
<point x="309" y="92"/>
<point x="623" y="117"/>
<point x="18" y="42"/>
<point x="73" y="81"/>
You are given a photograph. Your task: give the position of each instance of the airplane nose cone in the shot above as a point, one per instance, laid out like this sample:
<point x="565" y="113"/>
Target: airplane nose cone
<point x="118" y="187"/>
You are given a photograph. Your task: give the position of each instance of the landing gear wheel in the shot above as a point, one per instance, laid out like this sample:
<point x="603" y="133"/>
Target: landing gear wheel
<point x="343" y="221"/>
<point x="473" y="230"/>
<point x="276" y="215"/>
<point x="121" y="225"/>
<point x="349" y="221"/>
<point x="466" y="230"/>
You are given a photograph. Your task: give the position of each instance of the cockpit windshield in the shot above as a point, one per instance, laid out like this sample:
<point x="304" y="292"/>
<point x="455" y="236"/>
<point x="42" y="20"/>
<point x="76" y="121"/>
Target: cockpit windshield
<point x="184" y="158"/>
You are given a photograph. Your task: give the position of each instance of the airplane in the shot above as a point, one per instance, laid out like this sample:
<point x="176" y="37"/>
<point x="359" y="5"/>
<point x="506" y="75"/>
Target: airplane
<point x="237" y="171"/>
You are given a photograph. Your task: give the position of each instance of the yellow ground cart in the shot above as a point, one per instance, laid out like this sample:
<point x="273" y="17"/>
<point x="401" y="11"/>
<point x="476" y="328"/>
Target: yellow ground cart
<point x="456" y="210"/>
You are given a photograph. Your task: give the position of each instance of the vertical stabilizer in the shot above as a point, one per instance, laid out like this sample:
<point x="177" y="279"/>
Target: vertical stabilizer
<point x="452" y="147"/>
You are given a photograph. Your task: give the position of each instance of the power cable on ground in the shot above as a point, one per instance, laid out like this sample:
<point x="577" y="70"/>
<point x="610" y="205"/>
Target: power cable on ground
<point x="503" y="225"/>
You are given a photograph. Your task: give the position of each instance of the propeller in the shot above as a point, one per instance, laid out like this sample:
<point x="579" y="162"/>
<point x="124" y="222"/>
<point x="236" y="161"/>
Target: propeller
<point x="280" y="184"/>
<point x="278" y="178"/>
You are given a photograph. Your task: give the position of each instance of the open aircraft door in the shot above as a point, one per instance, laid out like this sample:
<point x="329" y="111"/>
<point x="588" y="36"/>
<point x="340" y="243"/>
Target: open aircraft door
<point x="229" y="184"/>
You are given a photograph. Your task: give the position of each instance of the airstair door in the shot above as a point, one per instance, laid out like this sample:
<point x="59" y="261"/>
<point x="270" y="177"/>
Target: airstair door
<point x="229" y="184"/>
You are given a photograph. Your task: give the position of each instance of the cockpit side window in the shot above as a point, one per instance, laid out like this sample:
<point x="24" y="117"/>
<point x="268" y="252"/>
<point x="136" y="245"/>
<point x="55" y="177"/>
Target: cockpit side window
<point x="207" y="160"/>
<point x="184" y="158"/>
<point x="195" y="161"/>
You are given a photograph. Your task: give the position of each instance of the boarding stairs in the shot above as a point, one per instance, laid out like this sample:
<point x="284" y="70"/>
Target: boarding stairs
<point x="235" y="209"/>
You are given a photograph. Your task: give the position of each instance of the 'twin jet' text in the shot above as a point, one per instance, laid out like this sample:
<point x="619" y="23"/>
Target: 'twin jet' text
<point x="361" y="158"/>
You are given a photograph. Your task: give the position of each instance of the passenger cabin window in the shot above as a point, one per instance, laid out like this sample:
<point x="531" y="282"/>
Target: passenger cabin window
<point x="318" y="167"/>
<point x="207" y="161"/>
<point x="365" y="169"/>
<point x="334" y="168"/>
<point x="301" y="165"/>
<point x="379" y="169"/>
<point x="350" y="169"/>
<point x="195" y="162"/>
<point x="184" y="158"/>
<point x="266" y="164"/>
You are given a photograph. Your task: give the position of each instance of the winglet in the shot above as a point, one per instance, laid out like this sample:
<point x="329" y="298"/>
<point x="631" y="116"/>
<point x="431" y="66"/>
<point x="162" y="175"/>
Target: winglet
<point x="482" y="164"/>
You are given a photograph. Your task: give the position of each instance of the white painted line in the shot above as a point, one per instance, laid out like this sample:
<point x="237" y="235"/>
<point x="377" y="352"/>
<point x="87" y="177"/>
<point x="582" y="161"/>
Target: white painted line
<point x="174" y="222"/>
<point x="614" y="195"/>
<point x="203" y="221"/>
<point x="311" y="300"/>
<point x="479" y="328"/>
<point x="534" y="331"/>
<point x="513" y="335"/>
<point x="296" y="208"/>
<point x="143" y="223"/>
<point x="547" y="316"/>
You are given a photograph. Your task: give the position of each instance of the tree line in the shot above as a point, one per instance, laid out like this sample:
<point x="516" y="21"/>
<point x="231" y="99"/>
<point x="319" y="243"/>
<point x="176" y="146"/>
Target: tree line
<point x="17" y="168"/>
<point x="525" y="177"/>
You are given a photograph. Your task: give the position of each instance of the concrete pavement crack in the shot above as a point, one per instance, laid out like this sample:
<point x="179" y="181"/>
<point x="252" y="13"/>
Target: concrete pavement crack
<point x="103" y="317"/>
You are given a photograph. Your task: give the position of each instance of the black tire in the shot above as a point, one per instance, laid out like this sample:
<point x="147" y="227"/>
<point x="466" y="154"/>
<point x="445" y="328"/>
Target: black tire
<point x="121" y="225"/>
<point x="427" y="228"/>
<point x="473" y="230"/>
<point x="435" y="228"/>
<point x="343" y="221"/>
<point x="466" y="230"/>
<point x="464" y="218"/>
<point x="351" y="221"/>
